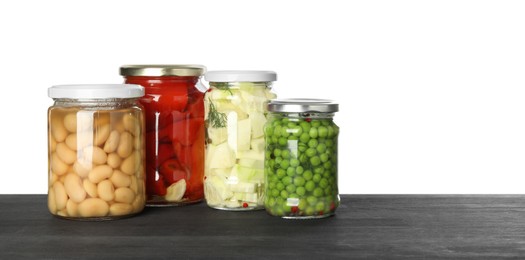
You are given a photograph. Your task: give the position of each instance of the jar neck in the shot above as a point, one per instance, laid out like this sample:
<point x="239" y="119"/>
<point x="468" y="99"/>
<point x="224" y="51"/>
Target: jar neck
<point x="159" y="81"/>
<point x="109" y="103"/>
<point x="238" y="85"/>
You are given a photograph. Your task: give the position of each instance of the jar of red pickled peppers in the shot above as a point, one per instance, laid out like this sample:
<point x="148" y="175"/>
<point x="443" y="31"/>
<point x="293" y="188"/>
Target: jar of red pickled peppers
<point x="174" y="112"/>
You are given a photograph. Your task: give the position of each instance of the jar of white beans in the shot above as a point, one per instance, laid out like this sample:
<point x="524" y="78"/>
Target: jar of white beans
<point x="96" y="151"/>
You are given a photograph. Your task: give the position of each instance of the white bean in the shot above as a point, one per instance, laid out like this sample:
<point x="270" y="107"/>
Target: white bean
<point x="100" y="173"/>
<point x="57" y="129"/>
<point x="134" y="185"/>
<point x="93" y="207"/>
<point x="130" y="165"/>
<point x="72" y="208"/>
<point x="105" y="190"/>
<point x="52" y="143"/>
<point x="70" y="122"/>
<point x="114" y="160"/>
<point x="65" y="154"/>
<point x="74" y="188"/>
<point x="90" y="188"/>
<point x="57" y="165"/>
<point x="94" y="154"/>
<point x="71" y="141"/>
<point x="111" y="144"/>
<point x="125" y="146"/>
<point x="82" y="168"/>
<point x="120" y="179"/>
<point x="101" y="134"/>
<point x="52" y="178"/>
<point x="60" y="195"/>
<point x="120" y="209"/>
<point x="131" y="124"/>
<point x="51" y="201"/>
<point x="124" y="195"/>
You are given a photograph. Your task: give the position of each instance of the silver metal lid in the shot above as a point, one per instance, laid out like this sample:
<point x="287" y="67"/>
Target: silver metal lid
<point x="162" y="70"/>
<point x="303" y="105"/>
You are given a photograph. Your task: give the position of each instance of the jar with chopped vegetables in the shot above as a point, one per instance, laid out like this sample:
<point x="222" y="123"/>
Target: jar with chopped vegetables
<point x="235" y="115"/>
<point x="174" y="109"/>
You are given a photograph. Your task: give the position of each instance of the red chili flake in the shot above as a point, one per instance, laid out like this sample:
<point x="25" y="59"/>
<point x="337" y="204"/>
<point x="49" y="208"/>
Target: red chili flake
<point x="295" y="209"/>
<point x="332" y="206"/>
<point x="245" y="205"/>
<point x="308" y="120"/>
<point x="321" y="212"/>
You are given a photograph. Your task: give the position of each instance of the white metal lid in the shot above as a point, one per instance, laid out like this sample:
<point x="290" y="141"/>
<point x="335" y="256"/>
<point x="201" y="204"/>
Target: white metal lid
<point x="240" y="76"/>
<point x="87" y="91"/>
<point x="302" y="105"/>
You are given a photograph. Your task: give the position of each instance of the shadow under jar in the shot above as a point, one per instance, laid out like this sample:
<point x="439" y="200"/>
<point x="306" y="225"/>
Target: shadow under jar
<point x="96" y="152"/>
<point x="174" y="109"/>
<point x="301" y="159"/>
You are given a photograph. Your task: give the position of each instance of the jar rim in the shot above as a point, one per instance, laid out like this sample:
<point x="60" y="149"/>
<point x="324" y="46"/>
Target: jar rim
<point x="241" y="76"/>
<point x="152" y="70"/>
<point x="302" y="105"/>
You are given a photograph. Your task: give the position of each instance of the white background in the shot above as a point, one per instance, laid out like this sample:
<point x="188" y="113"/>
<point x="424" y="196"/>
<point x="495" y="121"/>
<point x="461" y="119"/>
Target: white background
<point x="432" y="92"/>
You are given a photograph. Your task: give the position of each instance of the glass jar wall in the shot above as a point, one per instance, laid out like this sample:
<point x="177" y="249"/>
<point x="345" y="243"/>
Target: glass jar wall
<point x="301" y="158"/>
<point x="174" y="110"/>
<point x="96" y="152"/>
<point x="235" y="115"/>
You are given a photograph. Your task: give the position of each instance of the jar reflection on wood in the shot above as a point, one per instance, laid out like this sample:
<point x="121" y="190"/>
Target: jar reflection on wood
<point x="96" y="151"/>
<point x="301" y="158"/>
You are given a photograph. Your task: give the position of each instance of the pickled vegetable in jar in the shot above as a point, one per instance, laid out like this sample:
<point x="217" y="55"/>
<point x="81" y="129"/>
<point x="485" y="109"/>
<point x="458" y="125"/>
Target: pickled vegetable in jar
<point x="235" y="115"/>
<point x="96" y="152"/>
<point x="174" y="109"/>
<point x="301" y="158"/>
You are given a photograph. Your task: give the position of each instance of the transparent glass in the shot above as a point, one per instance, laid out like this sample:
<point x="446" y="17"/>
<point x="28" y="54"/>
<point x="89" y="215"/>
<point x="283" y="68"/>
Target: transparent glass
<point x="174" y="112"/>
<point x="301" y="165"/>
<point x="234" y="167"/>
<point x="96" y="154"/>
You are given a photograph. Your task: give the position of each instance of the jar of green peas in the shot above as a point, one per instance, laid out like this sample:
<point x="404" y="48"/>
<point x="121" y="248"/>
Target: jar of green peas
<point x="301" y="158"/>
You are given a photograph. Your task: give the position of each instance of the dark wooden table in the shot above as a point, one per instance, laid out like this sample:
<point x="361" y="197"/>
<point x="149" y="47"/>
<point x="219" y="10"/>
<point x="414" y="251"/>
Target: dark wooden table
<point x="365" y="226"/>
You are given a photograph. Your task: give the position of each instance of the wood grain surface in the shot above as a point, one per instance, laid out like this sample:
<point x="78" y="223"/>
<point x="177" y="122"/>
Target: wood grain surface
<point x="365" y="226"/>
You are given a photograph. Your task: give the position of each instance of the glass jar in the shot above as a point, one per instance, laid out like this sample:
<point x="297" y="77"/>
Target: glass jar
<point x="301" y="158"/>
<point x="96" y="151"/>
<point x="174" y="111"/>
<point x="235" y="115"/>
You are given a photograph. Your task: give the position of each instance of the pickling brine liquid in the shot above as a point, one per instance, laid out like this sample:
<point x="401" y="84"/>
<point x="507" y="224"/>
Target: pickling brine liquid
<point x="96" y="156"/>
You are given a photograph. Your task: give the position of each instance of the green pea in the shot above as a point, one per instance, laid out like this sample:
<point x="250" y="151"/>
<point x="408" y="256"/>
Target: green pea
<point x="300" y="191"/>
<point x="271" y="163"/>
<point x="309" y="186"/>
<point x="287" y="209"/>
<point x="327" y="165"/>
<point x="275" y="139"/>
<point x="271" y="185"/>
<point x="329" y="143"/>
<point x="319" y="206"/>
<point x="304" y="138"/>
<point x="299" y="169"/>
<point x="283" y="141"/>
<point x="319" y="170"/>
<point x="305" y="126"/>
<point x="277" y="152"/>
<point x="302" y="204"/>
<point x="274" y="179"/>
<point x="318" y="192"/>
<point x="267" y="155"/>
<point x="303" y="158"/>
<point x="323" y="183"/>
<point x="276" y="123"/>
<point x="270" y="202"/>
<point x="299" y="181"/>
<point x="317" y="178"/>
<point x="297" y="131"/>
<point x="322" y="131"/>
<point x="277" y="131"/>
<point x="275" y="193"/>
<point x="294" y="162"/>
<point x="278" y="212"/>
<point x="313" y="132"/>
<point x="278" y="160"/>
<point x="280" y="186"/>
<point x="290" y="188"/>
<point x="311" y="200"/>
<point x="310" y="152"/>
<point x="285" y="163"/>
<point x="285" y="154"/>
<point x="313" y="143"/>
<point x="290" y="171"/>
<point x="285" y="120"/>
<point x="327" y="174"/>
<point x="324" y="157"/>
<point x="315" y="161"/>
<point x="309" y="210"/>
<point x="291" y="124"/>
<point x="287" y="180"/>
<point x="284" y="194"/>
<point x="280" y="173"/>
<point x="331" y="131"/>
<point x="321" y="148"/>
<point x="327" y="191"/>
<point x="315" y="123"/>
<point x="325" y="122"/>
<point x="284" y="132"/>
<point x="307" y="175"/>
<point x="293" y="137"/>
<point x="268" y="131"/>
<point x="302" y="147"/>
<point x="293" y="196"/>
